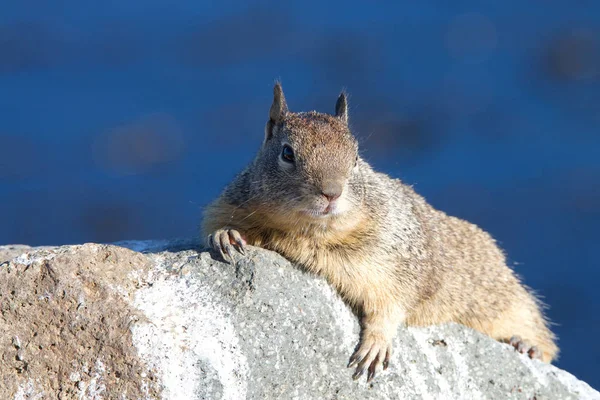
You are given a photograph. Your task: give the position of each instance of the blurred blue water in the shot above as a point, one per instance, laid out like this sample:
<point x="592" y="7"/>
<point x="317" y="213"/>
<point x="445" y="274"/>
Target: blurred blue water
<point x="120" y="120"/>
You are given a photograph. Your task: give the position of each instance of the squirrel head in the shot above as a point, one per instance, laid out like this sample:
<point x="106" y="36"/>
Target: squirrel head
<point x="307" y="162"/>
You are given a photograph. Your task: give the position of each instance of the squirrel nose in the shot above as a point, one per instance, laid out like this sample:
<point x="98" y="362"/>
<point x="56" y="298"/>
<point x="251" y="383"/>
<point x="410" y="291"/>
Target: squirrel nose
<point x="331" y="191"/>
<point x="331" y="196"/>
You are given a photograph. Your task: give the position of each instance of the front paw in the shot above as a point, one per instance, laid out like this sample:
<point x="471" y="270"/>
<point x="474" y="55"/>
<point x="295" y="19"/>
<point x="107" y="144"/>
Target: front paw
<point x="224" y="240"/>
<point x="374" y="348"/>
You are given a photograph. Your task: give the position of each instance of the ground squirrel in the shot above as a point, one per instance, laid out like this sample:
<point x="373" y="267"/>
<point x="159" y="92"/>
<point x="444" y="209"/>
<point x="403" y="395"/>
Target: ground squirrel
<point x="391" y="256"/>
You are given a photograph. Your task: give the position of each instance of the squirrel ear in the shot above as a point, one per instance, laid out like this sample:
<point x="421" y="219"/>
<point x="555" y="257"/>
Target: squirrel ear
<point x="277" y="112"/>
<point x="279" y="107"/>
<point x="341" y="107"/>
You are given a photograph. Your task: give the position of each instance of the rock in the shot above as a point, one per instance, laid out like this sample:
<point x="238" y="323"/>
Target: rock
<point x="10" y="252"/>
<point x="158" y="319"/>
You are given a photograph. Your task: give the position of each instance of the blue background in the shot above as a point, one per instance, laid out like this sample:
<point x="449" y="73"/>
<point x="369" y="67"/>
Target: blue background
<point x="122" y="119"/>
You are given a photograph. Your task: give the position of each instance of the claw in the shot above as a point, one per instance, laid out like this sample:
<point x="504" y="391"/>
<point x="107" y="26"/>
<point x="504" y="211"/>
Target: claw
<point x="370" y="376"/>
<point x="355" y="359"/>
<point x="241" y="248"/>
<point x="514" y="341"/>
<point x="239" y="241"/>
<point x="216" y="245"/>
<point x="358" y="373"/>
<point x="372" y="371"/>
<point x="534" y="353"/>
<point x="224" y="243"/>
<point x="229" y="252"/>
<point x="386" y="361"/>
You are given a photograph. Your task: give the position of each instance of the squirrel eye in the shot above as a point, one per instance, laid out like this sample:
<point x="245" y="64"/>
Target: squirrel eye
<point x="287" y="154"/>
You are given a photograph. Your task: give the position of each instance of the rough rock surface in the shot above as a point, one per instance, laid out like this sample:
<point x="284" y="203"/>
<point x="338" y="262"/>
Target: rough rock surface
<point x="159" y="319"/>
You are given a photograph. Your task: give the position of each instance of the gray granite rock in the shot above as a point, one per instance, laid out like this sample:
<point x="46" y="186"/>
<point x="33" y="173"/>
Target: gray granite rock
<point x="158" y="319"/>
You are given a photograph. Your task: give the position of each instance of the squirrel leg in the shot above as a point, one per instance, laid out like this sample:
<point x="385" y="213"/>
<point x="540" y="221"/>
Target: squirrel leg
<point x="224" y="240"/>
<point x="375" y="346"/>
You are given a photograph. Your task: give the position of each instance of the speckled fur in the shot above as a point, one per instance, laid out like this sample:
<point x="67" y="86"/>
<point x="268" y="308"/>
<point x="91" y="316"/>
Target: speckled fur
<point x="391" y="256"/>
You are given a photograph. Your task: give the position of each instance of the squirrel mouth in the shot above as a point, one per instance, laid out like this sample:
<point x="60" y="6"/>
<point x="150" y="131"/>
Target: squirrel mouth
<point x="324" y="213"/>
<point x="317" y="214"/>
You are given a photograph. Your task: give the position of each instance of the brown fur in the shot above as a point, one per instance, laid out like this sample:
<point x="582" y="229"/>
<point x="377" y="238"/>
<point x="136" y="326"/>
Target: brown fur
<point x="389" y="254"/>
